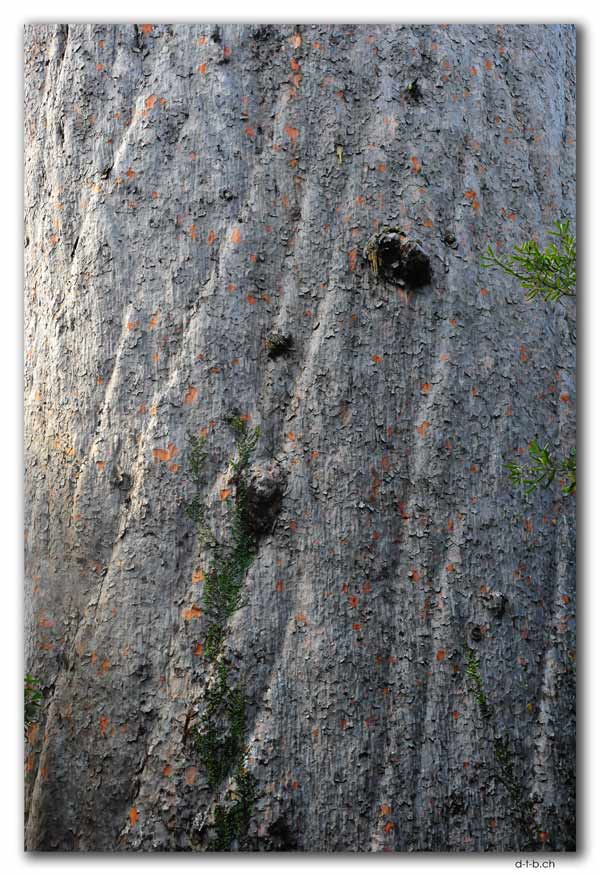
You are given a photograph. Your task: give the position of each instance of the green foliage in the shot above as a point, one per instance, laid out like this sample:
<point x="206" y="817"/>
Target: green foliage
<point x="473" y="673"/>
<point x="225" y="577"/>
<point x="232" y="821"/>
<point x="219" y="736"/>
<point x="550" y="273"/>
<point x="543" y="469"/>
<point x="523" y="807"/>
<point x="413" y="91"/>
<point x="33" y="700"/>
<point x="196" y="510"/>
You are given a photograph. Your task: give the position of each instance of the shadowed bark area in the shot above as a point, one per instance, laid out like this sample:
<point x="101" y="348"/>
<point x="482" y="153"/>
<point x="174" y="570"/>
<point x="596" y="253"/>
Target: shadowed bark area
<point x="404" y="644"/>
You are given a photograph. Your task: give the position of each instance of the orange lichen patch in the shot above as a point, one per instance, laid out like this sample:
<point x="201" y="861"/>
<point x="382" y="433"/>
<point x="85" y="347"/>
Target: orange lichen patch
<point x="250" y="132"/>
<point x="236" y="235"/>
<point x="193" y="231"/>
<point x="353" y="600"/>
<point x="251" y="299"/>
<point x="174" y="467"/>
<point x="45" y="622"/>
<point x="197" y="576"/>
<point x="100" y="68"/>
<point x="381" y="168"/>
<point x="414" y="576"/>
<point x="133" y="816"/>
<point x="565" y="599"/>
<point x="376" y="359"/>
<point x="224" y="494"/>
<point x="385" y="809"/>
<point x="426" y="388"/>
<point x="456" y="715"/>
<point x="291" y="132"/>
<point x="352" y="257"/>
<point x="294" y="64"/>
<point x="296" y="40"/>
<point x="191" y="395"/>
<point x="300" y="618"/>
<point x="153" y="321"/>
<point x="422" y="429"/>
<point x="146" y="28"/>
<point x="150" y="101"/>
<point x="103" y="724"/>
<point x="211" y="237"/>
<point x="130" y="172"/>
<point x="279" y="586"/>
<point x="32" y="733"/>
<point x="388" y="827"/>
<point x="191" y="613"/>
<point x="167" y="771"/>
<point x="202" y="69"/>
<point x="162" y="455"/>
<point x="416" y="164"/>
<point x="100" y="465"/>
<point x="565" y="397"/>
<point x="105" y="666"/>
<point x="527" y="525"/>
<point x="544" y="836"/>
<point x="440" y="655"/>
<point x="133" y="324"/>
<point x="523" y="355"/>
<point x="190" y="775"/>
<point x="357" y="627"/>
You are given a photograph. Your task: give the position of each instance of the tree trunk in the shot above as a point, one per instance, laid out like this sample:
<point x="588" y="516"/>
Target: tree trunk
<point x="404" y="642"/>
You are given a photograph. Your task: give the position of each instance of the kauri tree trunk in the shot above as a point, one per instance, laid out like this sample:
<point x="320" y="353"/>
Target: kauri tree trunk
<point x="404" y="644"/>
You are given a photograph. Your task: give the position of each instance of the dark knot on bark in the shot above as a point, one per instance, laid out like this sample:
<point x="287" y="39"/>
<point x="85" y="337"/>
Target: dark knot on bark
<point x="396" y="259"/>
<point x="264" y="496"/>
<point x="278" y="344"/>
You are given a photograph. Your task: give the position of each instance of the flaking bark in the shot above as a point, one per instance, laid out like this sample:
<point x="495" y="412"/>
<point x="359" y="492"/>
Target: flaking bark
<point x="190" y="189"/>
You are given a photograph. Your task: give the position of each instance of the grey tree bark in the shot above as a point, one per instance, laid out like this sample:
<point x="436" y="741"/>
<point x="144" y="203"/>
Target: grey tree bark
<point x="405" y="643"/>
